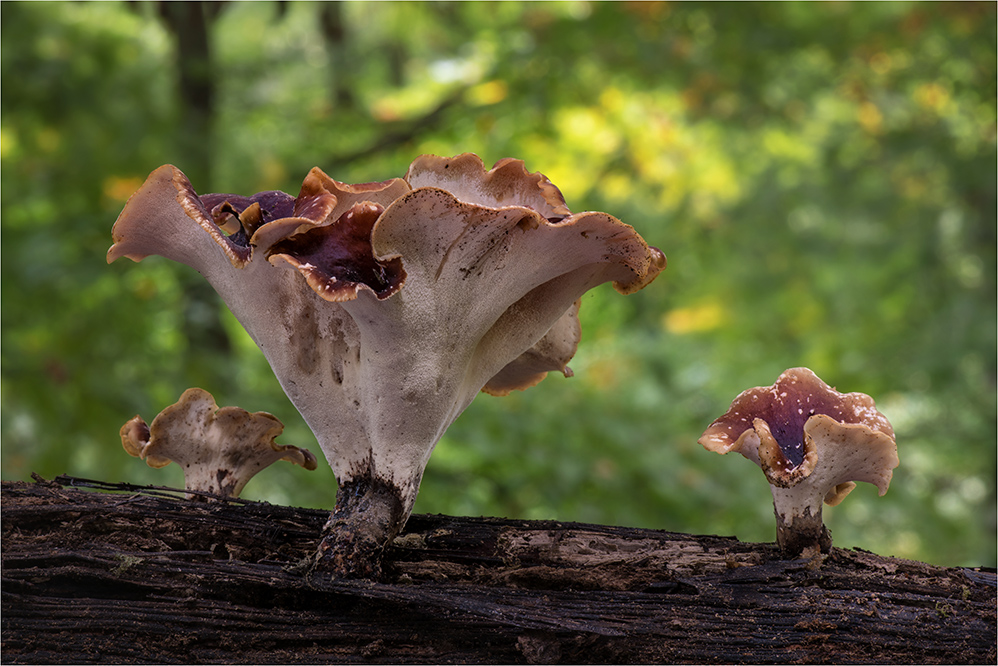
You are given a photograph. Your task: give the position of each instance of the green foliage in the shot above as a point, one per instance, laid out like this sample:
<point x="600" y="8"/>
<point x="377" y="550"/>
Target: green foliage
<point x="821" y="176"/>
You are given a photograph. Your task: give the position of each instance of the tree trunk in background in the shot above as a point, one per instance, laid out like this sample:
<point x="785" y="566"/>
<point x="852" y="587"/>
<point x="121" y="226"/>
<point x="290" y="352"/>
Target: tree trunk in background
<point x="340" y="66"/>
<point x="189" y="24"/>
<point x="146" y="576"/>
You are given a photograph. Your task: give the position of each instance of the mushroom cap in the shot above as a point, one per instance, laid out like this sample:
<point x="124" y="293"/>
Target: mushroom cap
<point x="852" y="452"/>
<point x="800" y="428"/>
<point x="785" y="406"/>
<point x="243" y="227"/>
<point x="336" y="260"/>
<point x="326" y="233"/>
<point x="507" y="183"/>
<point x="220" y="450"/>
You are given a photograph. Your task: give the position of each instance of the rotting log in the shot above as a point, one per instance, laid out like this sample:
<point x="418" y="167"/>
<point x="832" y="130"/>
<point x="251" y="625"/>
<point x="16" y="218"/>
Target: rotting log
<point x="140" y="574"/>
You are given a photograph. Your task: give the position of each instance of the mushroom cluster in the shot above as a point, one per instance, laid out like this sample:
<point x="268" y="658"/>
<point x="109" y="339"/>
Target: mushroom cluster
<point x="812" y="443"/>
<point x="220" y="450"/>
<point x="384" y="308"/>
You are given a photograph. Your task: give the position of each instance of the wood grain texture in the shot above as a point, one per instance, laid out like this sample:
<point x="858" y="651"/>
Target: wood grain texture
<point x="136" y="574"/>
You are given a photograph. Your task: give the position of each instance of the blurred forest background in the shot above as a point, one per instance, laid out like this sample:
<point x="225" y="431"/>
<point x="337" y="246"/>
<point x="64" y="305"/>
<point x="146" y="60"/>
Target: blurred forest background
<point x="822" y="177"/>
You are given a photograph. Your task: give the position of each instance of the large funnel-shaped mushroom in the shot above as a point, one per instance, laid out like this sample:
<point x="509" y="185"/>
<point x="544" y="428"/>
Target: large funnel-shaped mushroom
<point x="384" y="308"/>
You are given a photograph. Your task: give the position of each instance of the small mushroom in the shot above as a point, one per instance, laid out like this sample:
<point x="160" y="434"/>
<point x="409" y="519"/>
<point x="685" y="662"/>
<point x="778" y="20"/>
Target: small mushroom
<point x="220" y="450"/>
<point x="384" y="308"/>
<point x="812" y="443"/>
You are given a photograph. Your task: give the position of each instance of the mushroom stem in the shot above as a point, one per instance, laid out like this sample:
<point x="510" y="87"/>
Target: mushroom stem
<point x="369" y="513"/>
<point x="800" y="532"/>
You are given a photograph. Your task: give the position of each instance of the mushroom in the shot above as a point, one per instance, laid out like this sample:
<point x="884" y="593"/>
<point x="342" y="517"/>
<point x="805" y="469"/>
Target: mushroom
<point x="220" y="450"/>
<point x="384" y="308"/>
<point x="812" y="443"/>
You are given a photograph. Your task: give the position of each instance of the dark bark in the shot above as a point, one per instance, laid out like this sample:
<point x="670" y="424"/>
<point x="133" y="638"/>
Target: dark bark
<point x="147" y="576"/>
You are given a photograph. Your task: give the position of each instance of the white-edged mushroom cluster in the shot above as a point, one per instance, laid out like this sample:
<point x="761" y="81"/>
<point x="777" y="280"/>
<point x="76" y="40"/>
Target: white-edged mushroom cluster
<point x="384" y="308"/>
<point x="812" y="443"/>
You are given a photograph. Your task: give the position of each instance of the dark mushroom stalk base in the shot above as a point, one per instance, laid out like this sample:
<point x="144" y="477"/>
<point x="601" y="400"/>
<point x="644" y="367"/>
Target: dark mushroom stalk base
<point x="812" y="443"/>
<point x="384" y="308"/>
<point x="804" y="536"/>
<point x="369" y="513"/>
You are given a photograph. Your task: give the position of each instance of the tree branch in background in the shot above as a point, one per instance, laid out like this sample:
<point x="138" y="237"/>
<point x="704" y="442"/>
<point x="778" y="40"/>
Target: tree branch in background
<point x="400" y="135"/>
